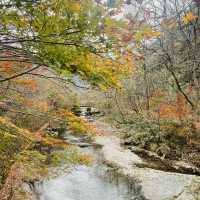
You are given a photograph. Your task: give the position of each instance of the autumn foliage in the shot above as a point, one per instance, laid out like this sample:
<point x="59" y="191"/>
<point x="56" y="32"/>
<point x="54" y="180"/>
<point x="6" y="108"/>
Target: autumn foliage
<point x="179" y="110"/>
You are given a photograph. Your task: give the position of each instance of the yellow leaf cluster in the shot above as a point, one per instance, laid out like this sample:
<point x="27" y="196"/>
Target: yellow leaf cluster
<point x="73" y="5"/>
<point x="53" y="142"/>
<point x="77" y="124"/>
<point x="146" y="32"/>
<point x="189" y="17"/>
<point x="8" y="126"/>
<point x="151" y="34"/>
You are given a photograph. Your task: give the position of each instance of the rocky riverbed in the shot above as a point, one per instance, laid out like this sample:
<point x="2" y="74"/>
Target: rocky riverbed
<point x="155" y="184"/>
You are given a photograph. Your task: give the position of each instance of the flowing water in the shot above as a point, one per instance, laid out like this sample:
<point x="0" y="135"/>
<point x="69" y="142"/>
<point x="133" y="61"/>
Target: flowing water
<point x="95" y="182"/>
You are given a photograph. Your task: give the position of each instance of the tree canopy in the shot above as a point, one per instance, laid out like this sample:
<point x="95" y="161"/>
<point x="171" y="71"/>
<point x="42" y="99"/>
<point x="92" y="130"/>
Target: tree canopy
<point x="68" y="36"/>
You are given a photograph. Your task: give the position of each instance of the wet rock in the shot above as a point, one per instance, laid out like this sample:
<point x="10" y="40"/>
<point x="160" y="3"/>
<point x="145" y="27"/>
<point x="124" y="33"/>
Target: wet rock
<point x="130" y="141"/>
<point x="157" y="162"/>
<point x="155" y="184"/>
<point x="115" y="153"/>
<point x="83" y="145"/>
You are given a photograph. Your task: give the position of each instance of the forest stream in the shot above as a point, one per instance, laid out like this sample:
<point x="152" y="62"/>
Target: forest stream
<point x="95" y="182"/>
<point x="114" y="174"/>
<point x="99" y="100"/>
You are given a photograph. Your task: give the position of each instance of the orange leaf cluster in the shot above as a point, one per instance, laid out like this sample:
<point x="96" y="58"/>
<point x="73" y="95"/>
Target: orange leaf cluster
<point x="37" y="104"/>
<point x="178" y="111"/>
<point x="27" y="83"/>
<point x="53" y="142"/>
<point x="7" y="67"/>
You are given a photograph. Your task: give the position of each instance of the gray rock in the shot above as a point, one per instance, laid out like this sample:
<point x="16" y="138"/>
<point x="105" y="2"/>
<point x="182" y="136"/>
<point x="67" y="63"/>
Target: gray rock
<point x="156" y="185"/>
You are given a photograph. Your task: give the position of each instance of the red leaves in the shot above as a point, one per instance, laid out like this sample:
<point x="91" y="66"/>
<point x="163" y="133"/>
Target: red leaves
<point x="178" y="110"/>
<point x="6" y="67"/>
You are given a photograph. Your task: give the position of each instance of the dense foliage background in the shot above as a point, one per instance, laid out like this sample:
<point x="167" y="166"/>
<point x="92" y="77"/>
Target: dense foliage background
<point x="138" y="61"/>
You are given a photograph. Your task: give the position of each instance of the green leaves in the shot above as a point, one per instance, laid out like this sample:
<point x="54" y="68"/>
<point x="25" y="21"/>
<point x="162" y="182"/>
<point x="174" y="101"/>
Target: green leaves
<point x="145" y="33"/>
<point x="64" y="34"/>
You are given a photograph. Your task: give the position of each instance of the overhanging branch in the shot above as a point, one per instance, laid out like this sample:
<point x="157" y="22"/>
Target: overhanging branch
<point x="20" y="74"/>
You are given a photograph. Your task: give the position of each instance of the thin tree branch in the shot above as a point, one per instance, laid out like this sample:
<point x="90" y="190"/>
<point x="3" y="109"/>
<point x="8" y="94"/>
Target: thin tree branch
<point x="19" y="74"/>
